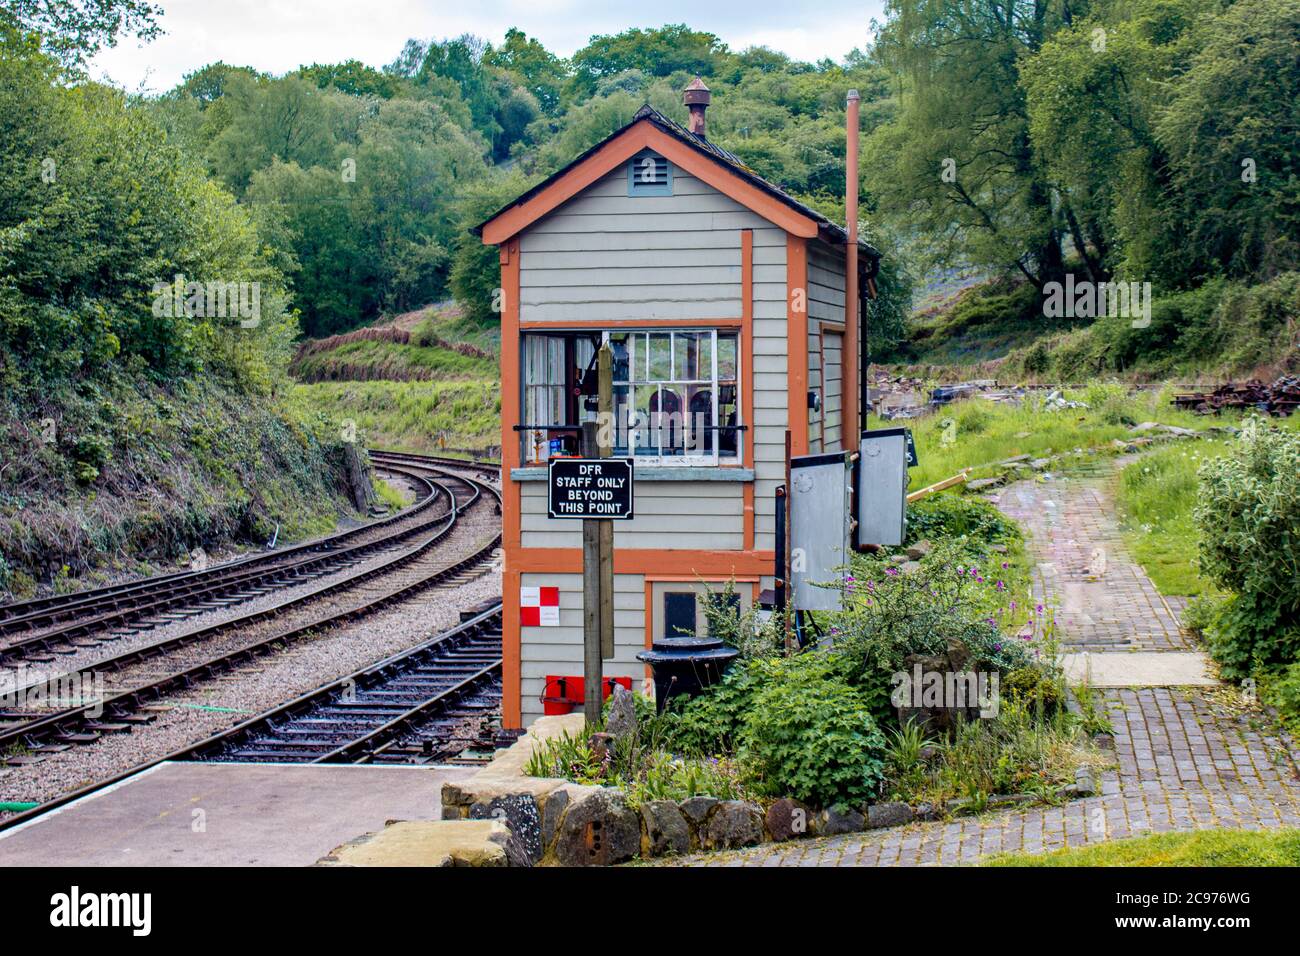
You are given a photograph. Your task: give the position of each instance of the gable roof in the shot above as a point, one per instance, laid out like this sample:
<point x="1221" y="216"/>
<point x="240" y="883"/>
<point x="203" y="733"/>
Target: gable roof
<point x="818" y="224"/>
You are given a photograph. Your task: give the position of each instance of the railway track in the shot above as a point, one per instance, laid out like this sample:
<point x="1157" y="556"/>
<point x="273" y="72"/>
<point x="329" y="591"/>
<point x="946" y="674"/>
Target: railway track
<point x="143" y="676"/>
<point x="425" y="705"/>
<point x="61" y="625"/>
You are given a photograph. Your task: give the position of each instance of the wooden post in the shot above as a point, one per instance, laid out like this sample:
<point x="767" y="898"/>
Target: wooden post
<point x="605" y="440"/>
<point x="593" y="677"/>
<point x="598" y="551"/>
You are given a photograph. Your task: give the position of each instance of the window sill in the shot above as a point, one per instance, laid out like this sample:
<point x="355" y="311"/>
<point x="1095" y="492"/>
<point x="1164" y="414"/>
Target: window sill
<point x="657" y="473"/>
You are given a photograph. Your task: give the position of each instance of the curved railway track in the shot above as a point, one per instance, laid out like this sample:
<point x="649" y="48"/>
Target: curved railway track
<point x="62" y="625"/>
<point x="142" y="676"/>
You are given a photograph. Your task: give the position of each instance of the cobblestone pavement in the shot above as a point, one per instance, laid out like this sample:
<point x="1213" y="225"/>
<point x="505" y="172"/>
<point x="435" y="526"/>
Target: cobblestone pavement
<point x="1183" y="759"/>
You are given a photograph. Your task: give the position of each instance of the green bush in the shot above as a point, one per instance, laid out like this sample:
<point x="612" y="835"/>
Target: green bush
<point x="1111" y="402"/>
<point x="1282" y="692"/>
<point x="1249" y="519"/>
<point x="1041" y="692"/>
<point x="712" y="722"/>
<point x="811" y="736"/>
<point x="948" y="602"/>
<point x="952" y="515"/>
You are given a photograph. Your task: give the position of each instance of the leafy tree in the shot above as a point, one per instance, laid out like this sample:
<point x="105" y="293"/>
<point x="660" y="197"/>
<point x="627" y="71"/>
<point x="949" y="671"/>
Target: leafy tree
<point x="656" y="52"/>
<point x="208" y="84"/>
<point x="476" y="269"/>
<point x="1093" y="92"/>
<point x="1230" y="134"/>
<point x="533" y="66"/>
<point x="371" y="229"/>
<point x="73" y="31"/>
<point x="260" y="120"/>
<point x="957" y="163"/>
<point x="99" y="213"/>
<point x="352" y="77"/>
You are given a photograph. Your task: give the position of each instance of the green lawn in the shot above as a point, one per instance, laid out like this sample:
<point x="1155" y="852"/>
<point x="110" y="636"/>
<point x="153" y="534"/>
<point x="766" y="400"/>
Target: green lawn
<point x="1203" y="848"/>
<point x="1157" y="495"/>
<point x="977" y="433"/>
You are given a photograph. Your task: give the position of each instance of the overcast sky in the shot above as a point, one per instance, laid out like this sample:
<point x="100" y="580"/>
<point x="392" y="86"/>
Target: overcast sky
<point x="280" y="35"/>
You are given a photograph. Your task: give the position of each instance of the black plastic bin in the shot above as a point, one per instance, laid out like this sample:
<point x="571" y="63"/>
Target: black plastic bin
<point x="686" y="665"/>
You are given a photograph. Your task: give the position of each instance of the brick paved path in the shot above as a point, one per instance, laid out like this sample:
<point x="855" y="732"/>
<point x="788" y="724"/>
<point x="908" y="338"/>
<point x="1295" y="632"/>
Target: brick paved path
<point x="1187" y="757"/>
<point x="1103" y="599"/>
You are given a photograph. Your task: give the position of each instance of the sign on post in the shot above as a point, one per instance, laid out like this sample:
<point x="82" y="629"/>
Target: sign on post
<point x="591" y="488"/>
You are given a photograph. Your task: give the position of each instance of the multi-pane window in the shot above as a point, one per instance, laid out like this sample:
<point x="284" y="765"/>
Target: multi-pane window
<point x="553" y="366"/>
<point x="676" y="394"/>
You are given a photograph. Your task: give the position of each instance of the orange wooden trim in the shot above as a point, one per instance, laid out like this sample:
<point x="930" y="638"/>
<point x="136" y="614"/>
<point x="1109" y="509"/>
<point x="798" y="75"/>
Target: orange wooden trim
<point x="688" y="579"/>
<point x="747" y="376"/>
<point x="581" y="325"/>
<point x="645" y="561"/>
<point x="512" y="687"/>
<point x="730" y="184"/>
<point x="849" y="354"/>
<point x="511" y="393"/>
<point x="649" y="618"/>
<point x="796" y="252"/>
<point x="622" y="148"/>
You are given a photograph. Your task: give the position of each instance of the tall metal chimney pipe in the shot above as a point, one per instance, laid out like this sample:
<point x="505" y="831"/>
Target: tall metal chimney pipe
<point x="853" y="356"/>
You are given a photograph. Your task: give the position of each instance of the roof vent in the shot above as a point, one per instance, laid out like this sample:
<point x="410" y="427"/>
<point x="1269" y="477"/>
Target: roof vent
<point x="649" y="174"/>
<point x="696" y="96"/>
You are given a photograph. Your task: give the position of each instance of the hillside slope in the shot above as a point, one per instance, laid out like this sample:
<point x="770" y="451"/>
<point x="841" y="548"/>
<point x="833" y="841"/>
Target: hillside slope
<point x="426" y="381"/>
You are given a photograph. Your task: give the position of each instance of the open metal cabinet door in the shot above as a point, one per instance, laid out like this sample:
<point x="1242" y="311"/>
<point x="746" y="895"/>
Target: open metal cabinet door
<point x="882" y="487"/>
<point x="821" y="516"/>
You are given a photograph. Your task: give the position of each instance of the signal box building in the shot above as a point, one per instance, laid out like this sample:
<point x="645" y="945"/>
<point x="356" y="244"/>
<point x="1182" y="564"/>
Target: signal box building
<point x="723" y="299"/>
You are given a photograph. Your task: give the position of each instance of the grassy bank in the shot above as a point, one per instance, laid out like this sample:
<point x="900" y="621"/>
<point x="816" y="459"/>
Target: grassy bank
<point x="127" y="477"/>
<point x="368" y="360"/>
<point x="411" y="416"/>
<point x="1157" y="495"/>
<point x="998" y="329"/>
<point x="1204" y="848"/>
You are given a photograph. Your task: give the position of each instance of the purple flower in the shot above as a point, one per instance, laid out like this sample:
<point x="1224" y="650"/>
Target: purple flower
<point x="1040" y="609"/>
<point x="1005" y="565"/>
<point x="997" y="645"/>
<point x="891" y="570"/>
<point x="1000" y="586"/>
